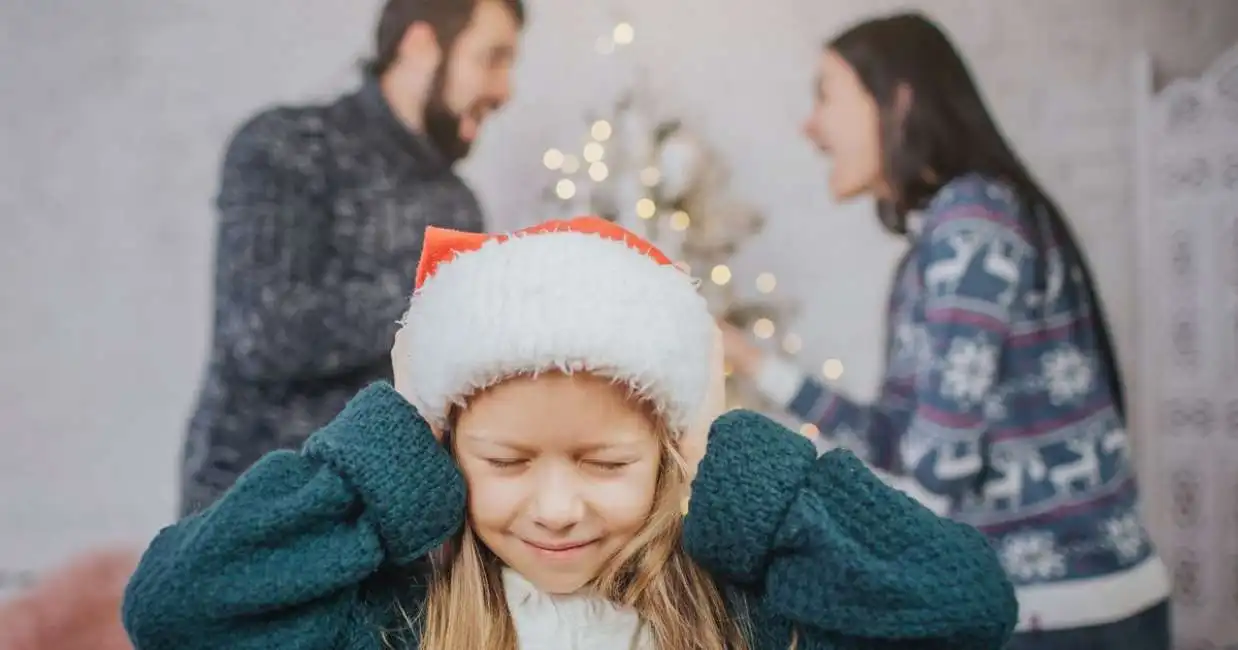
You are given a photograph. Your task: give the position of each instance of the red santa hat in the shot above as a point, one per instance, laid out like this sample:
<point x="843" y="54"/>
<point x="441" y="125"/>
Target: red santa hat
<point x="581" y="295"/>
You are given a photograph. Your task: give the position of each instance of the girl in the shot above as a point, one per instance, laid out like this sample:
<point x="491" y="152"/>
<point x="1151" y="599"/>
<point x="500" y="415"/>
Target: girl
<point x="523" y="485"/>
<point x="1002" y="395"/>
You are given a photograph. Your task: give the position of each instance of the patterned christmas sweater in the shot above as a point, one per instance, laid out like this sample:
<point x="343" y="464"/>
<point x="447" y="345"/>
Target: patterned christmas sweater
<point x="994" y="406"/>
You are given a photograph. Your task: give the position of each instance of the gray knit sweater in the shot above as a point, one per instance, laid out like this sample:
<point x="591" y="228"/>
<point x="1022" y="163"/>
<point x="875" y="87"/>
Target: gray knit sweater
<point x="322" y="210"/>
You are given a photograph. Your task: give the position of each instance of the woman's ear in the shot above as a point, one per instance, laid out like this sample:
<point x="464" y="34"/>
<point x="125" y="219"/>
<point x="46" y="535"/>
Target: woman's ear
<point x="903" y="98"/>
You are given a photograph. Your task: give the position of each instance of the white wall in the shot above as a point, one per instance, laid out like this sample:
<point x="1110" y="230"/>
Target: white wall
<point x="114" y="115"/>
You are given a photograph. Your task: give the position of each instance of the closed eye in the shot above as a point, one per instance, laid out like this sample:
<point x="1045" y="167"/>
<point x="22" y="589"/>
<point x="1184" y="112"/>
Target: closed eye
<point x="506" y="463"/>
<point x="607" y="466"/>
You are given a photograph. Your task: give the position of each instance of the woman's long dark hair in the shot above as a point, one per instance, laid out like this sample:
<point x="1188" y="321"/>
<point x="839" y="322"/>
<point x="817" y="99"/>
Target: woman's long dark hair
<point x="946" y="131"/>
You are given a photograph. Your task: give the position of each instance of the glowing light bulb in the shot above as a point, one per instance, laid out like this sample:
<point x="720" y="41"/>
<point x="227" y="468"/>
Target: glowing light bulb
<point x="650" y="176"/>
<point x="552" y="159"/>
<point x="728" y="369"/>
<point x="766" y="282"/>
<point x="832" y="369"/>
<point x="645" y="208"/>
<point x="680" y="221"/>
<point x="593" y="152"/>
<point x="598" y="171"/>
<point x="601" y="130"/>
<point x="763" y="328"/>
<point x="720" y="274"/>
<point x="809" y="430"/>
<point x="565" y="189"/>
<point x="623" y="34"/>
<point x="791" y="344"/>
<point x="571" y="165"/>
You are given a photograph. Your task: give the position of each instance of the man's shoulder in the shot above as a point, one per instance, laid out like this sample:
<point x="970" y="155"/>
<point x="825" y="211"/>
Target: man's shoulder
<point x="281" y="126"/>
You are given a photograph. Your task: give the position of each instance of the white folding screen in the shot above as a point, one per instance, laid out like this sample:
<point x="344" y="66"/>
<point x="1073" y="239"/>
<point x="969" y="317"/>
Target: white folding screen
<point x="1187" y="397"/>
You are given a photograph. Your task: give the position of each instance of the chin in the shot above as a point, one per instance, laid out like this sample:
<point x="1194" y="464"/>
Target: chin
<point x="845" y="190"/>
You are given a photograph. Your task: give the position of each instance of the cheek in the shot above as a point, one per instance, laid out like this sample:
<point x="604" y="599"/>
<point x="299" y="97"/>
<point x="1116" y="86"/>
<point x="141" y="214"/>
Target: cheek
<point x="624" y="503"/>
<point x="493" y="502"/>
<point x="856" y="146"/>
<point x="465" y="82"/>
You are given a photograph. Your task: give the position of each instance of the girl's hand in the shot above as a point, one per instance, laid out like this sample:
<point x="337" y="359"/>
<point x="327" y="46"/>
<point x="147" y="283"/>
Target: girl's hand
<point x="692" y="444"/>
<point x="401" y="371"/>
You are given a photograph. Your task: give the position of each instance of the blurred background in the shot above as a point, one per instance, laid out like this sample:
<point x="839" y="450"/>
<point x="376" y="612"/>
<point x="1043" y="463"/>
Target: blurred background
<point x="115" y="116"/>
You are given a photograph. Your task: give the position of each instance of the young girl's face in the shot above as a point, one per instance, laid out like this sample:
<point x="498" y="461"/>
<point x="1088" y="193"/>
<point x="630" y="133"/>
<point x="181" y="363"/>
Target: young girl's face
<point x="561" y="471"/>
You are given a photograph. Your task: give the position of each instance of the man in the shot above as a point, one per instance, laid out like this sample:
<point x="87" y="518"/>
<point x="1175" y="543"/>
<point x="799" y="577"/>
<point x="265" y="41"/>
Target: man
<point x="322" y="209"/>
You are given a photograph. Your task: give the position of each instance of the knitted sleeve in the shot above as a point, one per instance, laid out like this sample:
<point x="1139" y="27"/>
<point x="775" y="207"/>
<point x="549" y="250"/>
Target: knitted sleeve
<point x="871" y="431"/>
<point x="280" y="560"/>
<point x="824" y="544"/>
<point x="286" y="307"/>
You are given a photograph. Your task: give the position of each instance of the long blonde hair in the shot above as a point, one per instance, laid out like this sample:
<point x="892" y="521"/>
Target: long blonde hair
<point x="681" y="604"/>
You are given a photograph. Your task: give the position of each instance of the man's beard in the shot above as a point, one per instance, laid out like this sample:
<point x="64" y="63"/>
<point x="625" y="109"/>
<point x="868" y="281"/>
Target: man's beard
<point x="442" y="125"/>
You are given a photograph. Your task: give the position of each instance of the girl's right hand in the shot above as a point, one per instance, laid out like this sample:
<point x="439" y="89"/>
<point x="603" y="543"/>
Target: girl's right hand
<point x="401" y="373"/>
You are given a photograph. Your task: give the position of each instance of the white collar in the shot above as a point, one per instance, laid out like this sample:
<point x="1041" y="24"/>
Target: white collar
<point x="579" y="621"/>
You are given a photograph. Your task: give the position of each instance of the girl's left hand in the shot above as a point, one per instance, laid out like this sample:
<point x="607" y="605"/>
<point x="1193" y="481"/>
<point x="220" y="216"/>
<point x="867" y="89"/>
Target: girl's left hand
<point x="692" y="444"/>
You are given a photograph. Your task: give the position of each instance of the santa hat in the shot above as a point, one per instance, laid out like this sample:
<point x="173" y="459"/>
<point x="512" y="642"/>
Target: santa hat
<point x="582" y="295"/>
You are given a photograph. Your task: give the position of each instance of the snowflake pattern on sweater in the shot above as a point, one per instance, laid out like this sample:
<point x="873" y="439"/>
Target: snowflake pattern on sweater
<point x="321" y="214"/>
<point x="993" y="397"/>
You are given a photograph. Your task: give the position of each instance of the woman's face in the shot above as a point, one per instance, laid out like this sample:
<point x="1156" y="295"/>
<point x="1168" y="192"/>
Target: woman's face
<point x="561" y="472"/>
<point x="844" y="125"/>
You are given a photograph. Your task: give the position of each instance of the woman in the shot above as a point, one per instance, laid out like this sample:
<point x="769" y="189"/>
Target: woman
<point x="522" y="486"/>
<point x="1002" y="394"/>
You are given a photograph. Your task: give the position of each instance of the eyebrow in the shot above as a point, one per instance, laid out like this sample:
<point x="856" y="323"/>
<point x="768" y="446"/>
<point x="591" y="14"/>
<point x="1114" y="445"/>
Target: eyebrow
<point x="606" y="446"/>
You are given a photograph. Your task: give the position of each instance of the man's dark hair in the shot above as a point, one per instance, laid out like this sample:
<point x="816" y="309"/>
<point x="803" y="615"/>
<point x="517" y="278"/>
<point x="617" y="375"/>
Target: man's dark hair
<point x="448" y="18"/>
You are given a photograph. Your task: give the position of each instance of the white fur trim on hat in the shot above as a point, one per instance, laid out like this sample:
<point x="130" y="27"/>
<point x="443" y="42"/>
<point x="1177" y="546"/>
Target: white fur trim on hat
<point x="558" y="300"/>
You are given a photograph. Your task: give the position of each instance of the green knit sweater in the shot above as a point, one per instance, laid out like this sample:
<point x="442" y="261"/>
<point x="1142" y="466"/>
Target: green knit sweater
<point x="312" y="550"/>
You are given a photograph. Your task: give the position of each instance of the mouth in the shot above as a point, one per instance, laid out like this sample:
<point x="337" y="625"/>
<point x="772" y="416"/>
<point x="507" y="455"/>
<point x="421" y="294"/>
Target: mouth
<point x="559" y="549"/>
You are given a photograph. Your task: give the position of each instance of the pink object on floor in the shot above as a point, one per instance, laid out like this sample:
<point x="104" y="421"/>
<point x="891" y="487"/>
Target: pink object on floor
<point x="75" y="607"/>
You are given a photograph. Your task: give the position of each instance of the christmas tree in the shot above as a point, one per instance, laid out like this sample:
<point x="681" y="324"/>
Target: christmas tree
<point x="654" y="175"/>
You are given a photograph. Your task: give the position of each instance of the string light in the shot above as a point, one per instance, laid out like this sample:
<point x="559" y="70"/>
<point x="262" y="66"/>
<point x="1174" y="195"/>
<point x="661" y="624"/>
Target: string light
<point x="623" y="34"/>
<point x="766" y="282"/>
<point x="593" y="152"/>
<point x="832" y="369"/>
<point x="601" y="130"/>
<point x="763" y="328"/>
<point x="809" y="430"/>
<point x="552" y="159"/>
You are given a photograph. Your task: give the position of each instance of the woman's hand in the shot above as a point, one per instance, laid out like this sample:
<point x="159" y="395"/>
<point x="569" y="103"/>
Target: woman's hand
<point x="401" y="373"/>
<point x="739" y="351"/>
<point x="692" y="444"/>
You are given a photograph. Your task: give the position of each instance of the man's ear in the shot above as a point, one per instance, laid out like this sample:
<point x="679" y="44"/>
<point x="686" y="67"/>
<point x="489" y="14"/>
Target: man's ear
<point x="420" y="46"/>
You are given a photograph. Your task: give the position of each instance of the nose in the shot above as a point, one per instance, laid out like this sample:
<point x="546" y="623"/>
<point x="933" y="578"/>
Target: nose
<point x="810" y="131"/>
<point x="501" y="89"/>
<point x="557" y="504"/>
